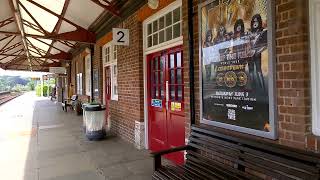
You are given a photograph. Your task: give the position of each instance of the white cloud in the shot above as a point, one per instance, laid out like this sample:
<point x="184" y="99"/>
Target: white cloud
<point x="21" y="73"/>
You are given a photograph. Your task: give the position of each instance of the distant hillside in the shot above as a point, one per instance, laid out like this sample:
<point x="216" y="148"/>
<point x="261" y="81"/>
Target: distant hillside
<point x="9" y="82"/>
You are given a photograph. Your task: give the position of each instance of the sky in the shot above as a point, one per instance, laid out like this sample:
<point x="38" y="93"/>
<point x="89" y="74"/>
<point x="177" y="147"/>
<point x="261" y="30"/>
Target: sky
<point x="21" y="73"/>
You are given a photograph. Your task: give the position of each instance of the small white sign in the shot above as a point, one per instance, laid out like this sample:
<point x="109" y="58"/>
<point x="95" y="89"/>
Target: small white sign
<point x="120" y="37"/>
<point x="58" y="70"/>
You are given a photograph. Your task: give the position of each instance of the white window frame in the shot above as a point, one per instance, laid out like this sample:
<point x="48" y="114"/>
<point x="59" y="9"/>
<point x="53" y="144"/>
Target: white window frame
<point x="112" y="63"/>
<point x="314" y="18"/>
<point x="156" y="16"/>
<point x="88" y="74"/>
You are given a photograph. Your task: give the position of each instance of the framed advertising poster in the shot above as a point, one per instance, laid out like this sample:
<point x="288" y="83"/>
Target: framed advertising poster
<point x="237" y="65"/>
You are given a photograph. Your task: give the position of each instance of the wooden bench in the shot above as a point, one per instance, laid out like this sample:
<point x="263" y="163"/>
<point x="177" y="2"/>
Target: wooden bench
<point x="213" y="155"/>
<point x="69" y="102"/>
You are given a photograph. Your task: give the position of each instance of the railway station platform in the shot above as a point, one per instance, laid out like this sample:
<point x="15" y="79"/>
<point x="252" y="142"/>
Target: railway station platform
<point x="38" y="141"/>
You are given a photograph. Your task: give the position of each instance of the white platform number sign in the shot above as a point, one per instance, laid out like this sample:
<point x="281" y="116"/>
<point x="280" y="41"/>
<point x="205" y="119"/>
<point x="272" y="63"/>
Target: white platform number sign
<point x="120" y="36"/>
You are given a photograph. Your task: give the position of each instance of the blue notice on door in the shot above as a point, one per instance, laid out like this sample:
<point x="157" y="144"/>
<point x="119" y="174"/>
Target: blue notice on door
<point x="156" y="103"/>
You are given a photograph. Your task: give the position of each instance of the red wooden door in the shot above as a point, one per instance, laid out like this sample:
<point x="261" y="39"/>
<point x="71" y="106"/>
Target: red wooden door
<point x="166" y="102"/>
<point x="107" y="89"/>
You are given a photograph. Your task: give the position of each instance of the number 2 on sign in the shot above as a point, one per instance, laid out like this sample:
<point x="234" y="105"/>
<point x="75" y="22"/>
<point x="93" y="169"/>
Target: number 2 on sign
<point x="121" y="34"/>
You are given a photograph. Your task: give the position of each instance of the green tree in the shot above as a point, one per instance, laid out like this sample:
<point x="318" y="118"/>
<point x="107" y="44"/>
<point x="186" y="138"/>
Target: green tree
<point x="31" y="85"/>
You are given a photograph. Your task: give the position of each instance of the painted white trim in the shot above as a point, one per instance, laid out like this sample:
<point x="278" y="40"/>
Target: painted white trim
<point x="173" y="43"/>
<point x="314" y="18"/>
<point x="103" y="71"/>
<point x="88" y="74"/>
<point x="111" y="63"/>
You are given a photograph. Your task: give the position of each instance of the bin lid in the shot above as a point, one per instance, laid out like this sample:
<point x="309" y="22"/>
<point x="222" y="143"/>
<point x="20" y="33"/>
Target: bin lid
<point x="92" y="107"/>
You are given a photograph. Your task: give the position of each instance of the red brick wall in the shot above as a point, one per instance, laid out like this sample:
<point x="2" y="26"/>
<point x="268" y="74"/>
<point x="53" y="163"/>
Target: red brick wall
<point x="77" y="66"/>
<point x="129" y="107"/>
<point x="292" y="72"/>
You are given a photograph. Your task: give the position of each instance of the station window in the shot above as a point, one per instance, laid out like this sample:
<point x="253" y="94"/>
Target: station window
<point x="165" y="28"/>
<point x="110" y="56"/>
<point x="314" y="19"/>
<point x="79" y="83"/>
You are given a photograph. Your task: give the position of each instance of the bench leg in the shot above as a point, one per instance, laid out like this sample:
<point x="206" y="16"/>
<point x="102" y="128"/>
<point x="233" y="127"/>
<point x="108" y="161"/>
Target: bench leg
<point x="156" y="162"/>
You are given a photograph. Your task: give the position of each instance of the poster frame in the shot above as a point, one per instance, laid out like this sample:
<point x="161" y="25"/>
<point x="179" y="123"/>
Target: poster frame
<point x="273" y="134"/>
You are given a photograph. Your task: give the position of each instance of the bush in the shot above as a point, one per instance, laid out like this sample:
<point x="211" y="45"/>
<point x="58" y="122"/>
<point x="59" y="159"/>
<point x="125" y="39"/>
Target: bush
<point x="31" y="85"/>
<point x="20" y="88"/>
<point x="38" y="90"/>
<point x="45" y="90"/>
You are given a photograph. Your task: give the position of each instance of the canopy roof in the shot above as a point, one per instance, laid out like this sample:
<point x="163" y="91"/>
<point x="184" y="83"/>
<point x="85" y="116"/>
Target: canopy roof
<point x="38" y="34"/>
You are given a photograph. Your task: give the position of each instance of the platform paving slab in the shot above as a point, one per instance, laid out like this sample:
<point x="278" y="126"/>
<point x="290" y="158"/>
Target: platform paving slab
<point x="38" y="141"/>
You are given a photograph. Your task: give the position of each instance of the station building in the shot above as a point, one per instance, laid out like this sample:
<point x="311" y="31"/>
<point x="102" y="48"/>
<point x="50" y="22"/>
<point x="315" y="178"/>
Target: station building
<point x="146" y="85"/>
<point x="170" y="76"/>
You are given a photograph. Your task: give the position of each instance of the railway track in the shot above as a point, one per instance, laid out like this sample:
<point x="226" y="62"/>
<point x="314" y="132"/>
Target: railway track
<point x="7" y="96"/>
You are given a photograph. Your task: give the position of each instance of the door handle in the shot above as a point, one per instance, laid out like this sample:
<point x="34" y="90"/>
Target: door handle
<point x="167" y="94"/>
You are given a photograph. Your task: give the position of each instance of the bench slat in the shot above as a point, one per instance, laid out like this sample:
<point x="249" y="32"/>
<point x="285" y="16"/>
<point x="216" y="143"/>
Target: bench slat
<point x="215" y="165"/>
<point x="243" y="163"/>
<point x="271" y="147"/>
<point x="293" y="162"/>
<point x="215" y="155"/>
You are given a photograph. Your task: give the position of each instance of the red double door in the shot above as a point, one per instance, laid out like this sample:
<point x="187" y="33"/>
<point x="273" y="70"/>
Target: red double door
<point x="166" y="102"/>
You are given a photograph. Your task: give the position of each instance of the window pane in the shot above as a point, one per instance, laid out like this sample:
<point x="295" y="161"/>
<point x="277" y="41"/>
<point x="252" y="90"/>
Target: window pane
<point x="152" y="65"/>
<point x="161" y="23"/>
<point x="179" y="76"/>
<point x="153" y="92"/>
<point x="162" y="92"/>
<point x="149" y="41"/>
<point x="172" y="80"/>
<point x="155" y="26"/>
<point x="172" y="93"/>
<point x="176" y="15"/>
<point x="149" y="29"/>
<point x="169" y="33"/>
<point x="168" y="19"/>
<point x="156" y="77"/>
<point x="176" y="30"/>
<point x="180" y="93"/>
<point x="156" y="63"/>
<point x="155" y="39"/>
<point x="179" y="59"/>
<point x="162" y="63"/>
<point x="161" y="36"/>
<point x="157" y="92"/>
<point x="161" y="77"/>
<point x="171" y="60"/>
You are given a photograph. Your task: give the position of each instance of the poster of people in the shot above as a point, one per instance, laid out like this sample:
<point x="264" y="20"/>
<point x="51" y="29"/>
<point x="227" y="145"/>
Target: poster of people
<point x="236" y="65"/>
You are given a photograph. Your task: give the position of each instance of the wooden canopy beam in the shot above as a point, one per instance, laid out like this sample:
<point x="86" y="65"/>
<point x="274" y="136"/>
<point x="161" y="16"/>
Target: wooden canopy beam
<point x="6" y="22"/>
<point x="107" y="6"/>
<point x="59" y="56"/>
<point x="79" y="35"/>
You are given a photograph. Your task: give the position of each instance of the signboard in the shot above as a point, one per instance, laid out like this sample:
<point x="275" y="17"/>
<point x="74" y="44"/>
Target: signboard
<point x="156" y="103"/>
<point x="237" y="66"/>
<point x="57" y="70"/>
<point x="120" y="37"/>
<point x="35" y="79"/>
<point x="175" y="106"/>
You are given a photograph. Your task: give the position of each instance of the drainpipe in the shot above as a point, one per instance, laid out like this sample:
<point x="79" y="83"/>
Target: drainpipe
<point x="91" y="74"/>
<point x="191" y="61"/>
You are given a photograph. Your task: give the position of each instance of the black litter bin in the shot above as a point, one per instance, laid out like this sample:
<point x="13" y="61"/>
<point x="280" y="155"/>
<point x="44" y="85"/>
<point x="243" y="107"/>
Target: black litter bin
<point x="95" y="123"/>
